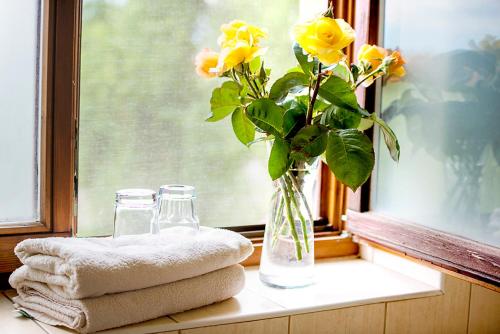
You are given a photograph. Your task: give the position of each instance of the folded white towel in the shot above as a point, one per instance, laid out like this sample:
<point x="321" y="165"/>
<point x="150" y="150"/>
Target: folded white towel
<point x="77" y="268"/>
<point x="120" y="309"/>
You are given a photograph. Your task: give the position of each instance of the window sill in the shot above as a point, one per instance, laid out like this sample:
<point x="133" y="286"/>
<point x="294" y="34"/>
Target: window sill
<point x="471" y="260"/>
<point x="340" y="283"/>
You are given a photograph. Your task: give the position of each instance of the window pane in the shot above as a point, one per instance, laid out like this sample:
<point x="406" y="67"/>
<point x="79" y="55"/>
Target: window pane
<point x="19" y="110"/>
<point x="143" y="107"/>
<point x="446" y="113"/>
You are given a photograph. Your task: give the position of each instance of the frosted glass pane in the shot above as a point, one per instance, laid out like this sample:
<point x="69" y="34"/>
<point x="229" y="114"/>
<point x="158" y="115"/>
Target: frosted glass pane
<point x="143" y="107"/>
<point x="19" y="117"/>
<point x="446" y="113"/>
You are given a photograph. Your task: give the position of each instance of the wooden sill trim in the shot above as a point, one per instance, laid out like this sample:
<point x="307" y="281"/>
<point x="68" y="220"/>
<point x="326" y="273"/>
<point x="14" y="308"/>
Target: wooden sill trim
<point x="8" y="260"/>
<point x="361" y="241"/>
<point x="34" y="227"/>
<point x="453" y="253"/>
<point x="326" y="245"/>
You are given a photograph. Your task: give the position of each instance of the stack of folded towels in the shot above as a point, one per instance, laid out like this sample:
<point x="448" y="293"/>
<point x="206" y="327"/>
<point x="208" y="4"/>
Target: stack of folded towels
<point x="92" y="284"/>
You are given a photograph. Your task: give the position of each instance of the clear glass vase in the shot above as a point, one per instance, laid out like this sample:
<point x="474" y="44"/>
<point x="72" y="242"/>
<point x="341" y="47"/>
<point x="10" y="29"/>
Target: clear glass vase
<point x="287" y="259"/>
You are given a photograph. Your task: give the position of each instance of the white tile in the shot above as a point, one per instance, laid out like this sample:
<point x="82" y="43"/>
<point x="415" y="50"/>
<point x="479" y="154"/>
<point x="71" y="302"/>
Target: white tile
<point x="366" y="252"/>
<point x="163" y="324"/>
<point x="245" y="306"/>
<point x="152" y="326"/>
<point x="11" y="322"/>
<point x="342" y="284"/>
<point x="10" y="293"/>
<point x="407" y="267"/>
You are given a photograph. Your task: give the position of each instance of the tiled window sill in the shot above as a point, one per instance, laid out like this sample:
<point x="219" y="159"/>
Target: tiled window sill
<point x="340" y="283"/>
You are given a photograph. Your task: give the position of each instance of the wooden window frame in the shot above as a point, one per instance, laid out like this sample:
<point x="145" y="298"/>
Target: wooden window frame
<point x="463" y="257"/>
<point x="59" y="96"/>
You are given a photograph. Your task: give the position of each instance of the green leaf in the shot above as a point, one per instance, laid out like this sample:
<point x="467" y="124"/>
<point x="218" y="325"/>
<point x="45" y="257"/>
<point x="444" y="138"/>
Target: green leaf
<point x="279" y="159"/>
<point x="309" y="142"/>
<point x="340" y="118"/>
<point x="295" y="69"/>
<point x="340" y="70"/>
<point x="24" y="314"/>
<point x="365" y="124"/>
<point x="259" y="139"/>
<point x="224" y="101"/>
<point x="338" y="92"/>
<point x="319" y="105"/>
<point x="355" y="72"/>
<point x="309" y="67"/>
<point x="242" y="127"/>
<point x="290" y="83"/>
<point x="266" y="115"/>
<point x="293" y="120"/>
<point x="349" y="155"/>
<point x="255" y="65"/>
<point x="244" y="91"/>
<point x="391" y="141"/>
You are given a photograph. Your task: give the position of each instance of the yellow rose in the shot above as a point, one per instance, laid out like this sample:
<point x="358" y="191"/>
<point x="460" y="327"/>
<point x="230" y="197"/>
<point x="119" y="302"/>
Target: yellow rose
<point x="240" y="44"/>
<point x="237" y="53"/>
<point x="396" y="66"/>
<point x="375" y="55"/>
<point x="371" y="55"/>
<point x="206" y="63"/>
<point x="324" y="38"/>
<point x="240" y="31"/>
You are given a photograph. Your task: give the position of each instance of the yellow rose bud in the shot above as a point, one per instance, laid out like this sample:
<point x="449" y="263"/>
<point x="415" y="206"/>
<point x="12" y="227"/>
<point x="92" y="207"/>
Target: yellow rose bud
<point x="324" y="38"/>
<point x="371" y="55"/>
<point x="206" y="63"/>
<point x="396" y="67"/>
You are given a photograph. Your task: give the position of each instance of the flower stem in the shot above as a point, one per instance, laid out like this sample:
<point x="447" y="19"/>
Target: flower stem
<point x="314" y="96"/>
<point x="369" y="75"/>
<point x="301" y="194"/>
<point x="247" y="78"/>
<point x="297" y="210"/>
<point x="291" y="221"/>
<point x="278" y="226"/>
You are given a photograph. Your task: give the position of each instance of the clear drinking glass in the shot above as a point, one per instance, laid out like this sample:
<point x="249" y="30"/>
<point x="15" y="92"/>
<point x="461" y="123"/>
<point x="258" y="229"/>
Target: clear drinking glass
<point x="176" y="207"/>
<point x="135" y="212"/>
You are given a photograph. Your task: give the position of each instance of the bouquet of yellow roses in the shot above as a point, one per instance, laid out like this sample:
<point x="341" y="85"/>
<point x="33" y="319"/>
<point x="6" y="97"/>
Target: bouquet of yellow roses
<point x="311" y="111"/>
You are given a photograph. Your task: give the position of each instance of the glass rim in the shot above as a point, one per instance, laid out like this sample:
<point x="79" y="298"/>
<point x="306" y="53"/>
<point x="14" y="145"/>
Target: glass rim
<point x="135" y="194"/>
<point x="180" y="191"/>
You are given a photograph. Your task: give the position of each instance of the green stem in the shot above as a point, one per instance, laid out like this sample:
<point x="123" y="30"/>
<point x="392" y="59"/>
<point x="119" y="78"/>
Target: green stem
<point x="372" y="73"/>
<point x="277" y="219"/>
<point x="301" y="194"/>
<point x="247" y="78"/>
<point x="297" y="210"/>
<point x="289" y="215"/>
<point x="238" y="81"/>
<point x="314" y="96"/>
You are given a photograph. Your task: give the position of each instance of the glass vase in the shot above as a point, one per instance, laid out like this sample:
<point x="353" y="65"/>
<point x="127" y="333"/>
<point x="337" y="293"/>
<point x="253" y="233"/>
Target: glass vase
<point x="287" y="259"/>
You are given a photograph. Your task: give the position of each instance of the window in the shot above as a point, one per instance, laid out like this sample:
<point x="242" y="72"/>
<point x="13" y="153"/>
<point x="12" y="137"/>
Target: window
<point x="446" y="113"/>
<point x="37" y="121"/>
<point x="142" y="107"/>
<point x="440" y="203"/>
<point x="20" y="114"/>
<point x="66" y="94"/>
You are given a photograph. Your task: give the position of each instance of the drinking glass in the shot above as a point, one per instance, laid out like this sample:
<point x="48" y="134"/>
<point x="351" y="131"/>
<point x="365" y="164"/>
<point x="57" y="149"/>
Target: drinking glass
<point x="135" y="212"/>
<point x="176" y="207"/>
